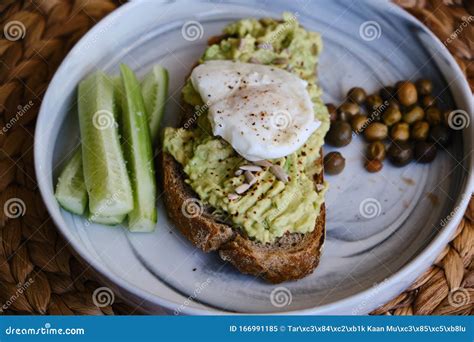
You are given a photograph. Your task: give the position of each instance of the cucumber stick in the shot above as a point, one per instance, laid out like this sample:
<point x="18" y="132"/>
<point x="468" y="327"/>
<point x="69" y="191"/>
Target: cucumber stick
<point x="108" y="220"/>
<point x="137" y="146"/>
<point x="154" y="90"/>
<point x="105" y="172"/>
<point x="71" y="191"/>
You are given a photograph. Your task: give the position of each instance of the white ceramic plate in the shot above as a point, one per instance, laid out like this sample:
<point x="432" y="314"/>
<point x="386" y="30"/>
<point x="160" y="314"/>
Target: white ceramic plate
<point x="383" y="229"/>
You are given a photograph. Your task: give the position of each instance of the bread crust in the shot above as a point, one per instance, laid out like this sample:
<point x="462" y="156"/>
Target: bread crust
<point x="291" y="257"/>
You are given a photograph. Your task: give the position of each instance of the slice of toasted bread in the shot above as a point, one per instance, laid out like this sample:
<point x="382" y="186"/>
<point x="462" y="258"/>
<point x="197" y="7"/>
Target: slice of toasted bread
<point x="293" y="256"/>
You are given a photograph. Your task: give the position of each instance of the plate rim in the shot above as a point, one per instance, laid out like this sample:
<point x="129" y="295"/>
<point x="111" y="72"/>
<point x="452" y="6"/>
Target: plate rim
<point x="420" y="262"/>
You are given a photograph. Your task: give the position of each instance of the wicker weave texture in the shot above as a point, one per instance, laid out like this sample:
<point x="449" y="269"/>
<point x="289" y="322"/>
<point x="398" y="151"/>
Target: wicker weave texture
<point x="38" y="274"/>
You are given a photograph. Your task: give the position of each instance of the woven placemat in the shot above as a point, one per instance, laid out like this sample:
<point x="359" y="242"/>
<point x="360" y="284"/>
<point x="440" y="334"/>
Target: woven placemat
<point x="38" y="274"/>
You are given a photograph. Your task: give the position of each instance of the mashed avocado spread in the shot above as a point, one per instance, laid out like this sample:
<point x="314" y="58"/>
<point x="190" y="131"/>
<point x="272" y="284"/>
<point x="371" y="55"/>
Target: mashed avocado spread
<point x="270" y="208"/>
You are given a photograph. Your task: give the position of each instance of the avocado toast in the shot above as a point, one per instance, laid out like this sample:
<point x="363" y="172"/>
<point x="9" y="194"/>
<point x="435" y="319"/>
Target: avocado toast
<point x="273" y="225"/>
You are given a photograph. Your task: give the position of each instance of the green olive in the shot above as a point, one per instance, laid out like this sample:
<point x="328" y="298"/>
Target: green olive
<point x="425" y="152"/>
<point x="407" y="94"/>
<point x="400" y="131"/>
<point x="424" y="87"/>
<point x="400" y="153"/>
<point x="387" y="93"/>
<point x="374" y="165"/>
<point x="428" y="101"/>
<point x="340" y="134"/>
<point x="440" y="134"/>
<point x="420" y="130"/>
<point x="373" y="102"/>
<point x="348" y="110"/>
<point x="433" y="116"/>
<point x="392" y="115"/>
<point x="359" y="122"/>
<point x="332" y="111"/>
<point x="393" y="103"/>
<point x="376" y="150"/>
<point x="375" y="116"/>
<point x="357" y="95"/>
<point x="376" y="131"/>
<point x="414" y="114"/>
<point x="334" y="163"/>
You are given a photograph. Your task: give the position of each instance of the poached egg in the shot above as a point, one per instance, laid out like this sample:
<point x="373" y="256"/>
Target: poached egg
<point x="264" y="112"/>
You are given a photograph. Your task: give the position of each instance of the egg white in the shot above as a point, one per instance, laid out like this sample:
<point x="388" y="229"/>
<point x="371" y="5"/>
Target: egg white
<point x="264" y="112"/>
